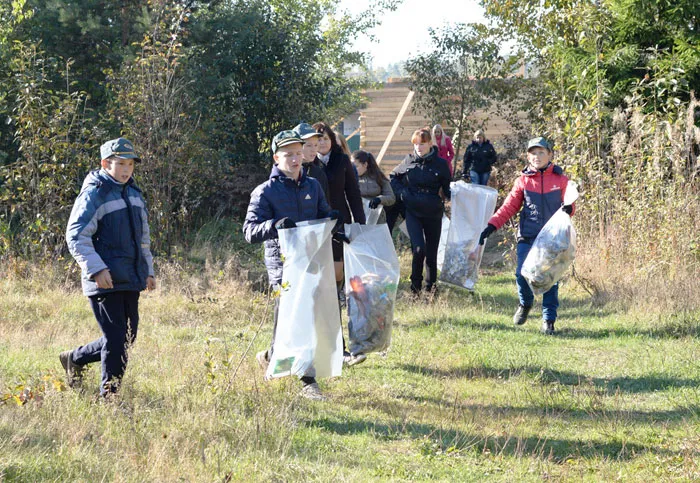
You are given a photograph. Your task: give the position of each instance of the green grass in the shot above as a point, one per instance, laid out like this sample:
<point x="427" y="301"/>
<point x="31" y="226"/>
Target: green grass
<point x="462" y="394"/>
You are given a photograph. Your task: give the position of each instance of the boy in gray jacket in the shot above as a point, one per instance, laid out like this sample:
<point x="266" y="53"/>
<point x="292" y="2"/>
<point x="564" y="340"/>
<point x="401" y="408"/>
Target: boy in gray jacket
<point x="108" y="236"/>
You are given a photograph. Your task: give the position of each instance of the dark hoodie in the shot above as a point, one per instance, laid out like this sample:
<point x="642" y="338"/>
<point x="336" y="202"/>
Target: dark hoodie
<point x="417" y="182"/>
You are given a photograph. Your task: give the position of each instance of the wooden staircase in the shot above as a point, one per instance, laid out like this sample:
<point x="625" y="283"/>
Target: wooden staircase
<point x="377" y="119"/>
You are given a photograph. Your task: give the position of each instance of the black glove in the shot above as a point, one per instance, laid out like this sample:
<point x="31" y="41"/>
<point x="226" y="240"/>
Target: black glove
<point x="466" y="177"/>
<point x="341" y="237"/>
<point x="335" y="215"/>
<point x="284" y="223"/>
<point x="375" y="202"/>
<point x="568" y="209"/>
<point x="485" y="234"/>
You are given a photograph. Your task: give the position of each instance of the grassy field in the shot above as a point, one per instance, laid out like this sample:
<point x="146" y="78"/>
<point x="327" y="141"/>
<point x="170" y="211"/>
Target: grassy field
<point x="462" y="395"/>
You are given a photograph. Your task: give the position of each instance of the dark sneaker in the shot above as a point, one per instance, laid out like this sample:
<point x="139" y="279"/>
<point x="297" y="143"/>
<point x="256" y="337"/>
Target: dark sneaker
<point x="352" y="360"/>
<point x="74" y="372"/>
<point x="313" y="392"/>
<point x="521" y="314"/>
<point x="547" y="327"/>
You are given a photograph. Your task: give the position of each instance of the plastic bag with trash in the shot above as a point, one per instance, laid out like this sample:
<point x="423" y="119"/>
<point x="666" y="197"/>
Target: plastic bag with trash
<point x="553" y="250"/>
<point x="371" y="280"/>
<point x="371" y="215"/>
<point x="472" y="207"/>
<point x="443" y="238"/>
<point x="308" y="340"/>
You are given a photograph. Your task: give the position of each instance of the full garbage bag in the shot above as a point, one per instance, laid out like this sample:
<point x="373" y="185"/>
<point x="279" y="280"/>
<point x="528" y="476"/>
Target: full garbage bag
<point x="443" y="238"/>
<point x="472" y="207"/>
<point x="553" y="250"/>
<point x="308" y="340"/>
<point x="371" y="280"/>
<point x="371" y="214"/>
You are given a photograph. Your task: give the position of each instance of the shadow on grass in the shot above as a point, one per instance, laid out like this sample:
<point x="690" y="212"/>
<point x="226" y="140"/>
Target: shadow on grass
<point x="547" y="376"/>
<point x="437" y="440"/>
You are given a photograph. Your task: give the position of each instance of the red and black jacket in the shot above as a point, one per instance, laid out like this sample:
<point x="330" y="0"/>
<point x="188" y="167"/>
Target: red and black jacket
<point x="540" y="193"/>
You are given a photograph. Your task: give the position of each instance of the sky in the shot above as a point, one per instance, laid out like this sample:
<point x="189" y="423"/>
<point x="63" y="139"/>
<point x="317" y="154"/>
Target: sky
<point x="404" y="32"/>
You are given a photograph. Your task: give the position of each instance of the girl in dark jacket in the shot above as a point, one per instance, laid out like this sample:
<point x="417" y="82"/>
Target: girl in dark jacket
<point x="342" y="185"/>
<point x="417" y="182"/>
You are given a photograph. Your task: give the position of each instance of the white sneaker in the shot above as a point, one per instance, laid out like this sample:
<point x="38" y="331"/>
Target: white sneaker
<point x="313" y="392"/>
<point x="352" y="360"/>
<point x="262" y="360"/>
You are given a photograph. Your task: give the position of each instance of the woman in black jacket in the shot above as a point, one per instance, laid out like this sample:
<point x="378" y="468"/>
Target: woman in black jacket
<point x="417" y="182"/>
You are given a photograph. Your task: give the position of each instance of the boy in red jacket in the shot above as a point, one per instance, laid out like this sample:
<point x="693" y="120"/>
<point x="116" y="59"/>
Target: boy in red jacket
<point x="540" y="192"/>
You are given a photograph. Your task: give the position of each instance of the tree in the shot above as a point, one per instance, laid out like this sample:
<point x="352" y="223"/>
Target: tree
<point x="460" y="76"/>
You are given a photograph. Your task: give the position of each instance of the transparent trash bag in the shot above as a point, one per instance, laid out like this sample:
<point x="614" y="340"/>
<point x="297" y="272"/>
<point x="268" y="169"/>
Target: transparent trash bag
<point x="443" y="238"/>
<point x="308" y="340"/>
<point x="472" y="207"/>
<point x="371" y="215"/>
<point x="553" y="250"/>
<point x="371" y="280"/>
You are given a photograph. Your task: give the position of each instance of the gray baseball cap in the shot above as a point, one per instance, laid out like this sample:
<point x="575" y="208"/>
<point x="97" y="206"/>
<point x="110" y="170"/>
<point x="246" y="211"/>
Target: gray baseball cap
<point x="306" y="131"/>
<point x="121" y="148"/>
<point x="283" y="138"/>
<point x="539" y="142"/>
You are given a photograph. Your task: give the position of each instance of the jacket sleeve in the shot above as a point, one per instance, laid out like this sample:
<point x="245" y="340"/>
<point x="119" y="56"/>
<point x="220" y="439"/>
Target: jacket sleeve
<point x="259" y="224"/>
<point x="352" y="192"/>
<point x="563" y="192"/>
<point x="492" y="155"/>
<point x="82" y="225"/>
<point x="396" y="181"/>
<point x="324" y="208"/>
<point x="467" y="162"/>
<point x="445" y="182"/>
<point x="146" y="242"/>
<point x="510" y="206"/>
<point x="450" y="151"/>
<point x="388" y="198"/>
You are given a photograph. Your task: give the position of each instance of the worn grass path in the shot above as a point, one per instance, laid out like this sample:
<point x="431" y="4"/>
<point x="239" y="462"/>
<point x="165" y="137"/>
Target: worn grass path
<point x="462" y="395"/>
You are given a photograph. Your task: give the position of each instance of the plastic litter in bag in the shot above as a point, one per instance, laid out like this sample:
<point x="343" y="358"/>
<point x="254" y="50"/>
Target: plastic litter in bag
<point x="371" y="215"/>
<point x="371" y="281"/>
<point x="472" y="207"/>
<point x="553" y="250"/>
<point x="308" y="340"/>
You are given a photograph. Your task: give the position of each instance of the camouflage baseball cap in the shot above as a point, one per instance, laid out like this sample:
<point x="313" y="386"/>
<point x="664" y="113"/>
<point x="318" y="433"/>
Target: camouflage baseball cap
<point x="306" y="131"/>
<point x="539" y="142"/>
<point x="121" y="148"/>
<point x="283" y="138"/>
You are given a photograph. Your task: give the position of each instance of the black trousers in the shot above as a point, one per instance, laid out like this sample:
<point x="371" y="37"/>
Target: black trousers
<point x="425" y="239"/>
<point x="117" y="314"/>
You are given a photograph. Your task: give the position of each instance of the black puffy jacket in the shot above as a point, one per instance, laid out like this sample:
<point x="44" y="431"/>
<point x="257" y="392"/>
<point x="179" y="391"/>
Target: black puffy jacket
<point x="479" y="157"/>
<point x="417" y="182"/>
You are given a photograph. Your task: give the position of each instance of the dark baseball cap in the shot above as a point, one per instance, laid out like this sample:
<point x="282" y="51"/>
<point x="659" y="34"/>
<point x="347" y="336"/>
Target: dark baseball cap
<point x="283" y="138"/>
<point x="121" y="148"/>
<point x="539" y="142"/>
<point x="306" y="131"/>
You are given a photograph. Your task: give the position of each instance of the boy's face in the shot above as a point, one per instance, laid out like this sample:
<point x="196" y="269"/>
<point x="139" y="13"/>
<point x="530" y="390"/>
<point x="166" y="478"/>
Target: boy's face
<point x="310" y="149"/>
<point x="539" y="157"/>
<point x="120" y="169"/>
<point x="288" y="160"/>
<point x="324" y="144"/>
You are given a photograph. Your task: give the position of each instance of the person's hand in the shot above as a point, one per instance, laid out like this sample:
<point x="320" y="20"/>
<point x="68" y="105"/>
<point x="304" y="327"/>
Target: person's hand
<point x="466" y="178"/>
<point x="375" y="202"/>
<point x="486" y="233"/>
<point x="335" y="215"/>
<point x="151" y="283"/>
<point x="341" y="237"/>
<point x="103" y="279"/>
<point x="568" y="209"/>
<point x="284" y="223"/>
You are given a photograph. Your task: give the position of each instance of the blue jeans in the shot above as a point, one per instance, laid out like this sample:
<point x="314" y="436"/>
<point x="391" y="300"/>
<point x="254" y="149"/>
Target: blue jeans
<point x="480" y="178"/>
<point x="117" y="314"/>
<point x="550" y="299"/>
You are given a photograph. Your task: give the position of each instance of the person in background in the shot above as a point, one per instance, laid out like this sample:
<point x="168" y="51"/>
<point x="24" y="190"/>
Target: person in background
<point x="287" y="197"/>
<point x="312" y="165"/>
<point x="478" y="159"/>
<point x="342" y="142"/>
<point x="344" y="197"/>
<point x="108" y="236"/>
<point x="539" y="191"/>
<point x="444" y="145"/>
<point x="374" y="185"/>
<point x="417" y="182"/>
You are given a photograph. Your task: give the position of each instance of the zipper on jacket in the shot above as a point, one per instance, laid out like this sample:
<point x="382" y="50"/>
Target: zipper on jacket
<point x="132" y="224"/>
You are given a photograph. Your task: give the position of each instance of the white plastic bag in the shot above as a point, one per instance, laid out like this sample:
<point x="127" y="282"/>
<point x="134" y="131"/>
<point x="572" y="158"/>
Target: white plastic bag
<point x="472" y="207"/>
<point x="553" y="250"/>
<point x="371" y="215"/>
<point x="443" y="238"/>
<point x="371" y="280"/>
<point x="308" y="340"/>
